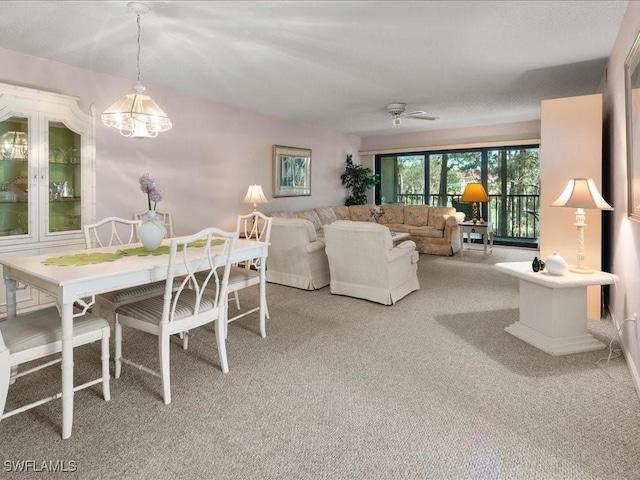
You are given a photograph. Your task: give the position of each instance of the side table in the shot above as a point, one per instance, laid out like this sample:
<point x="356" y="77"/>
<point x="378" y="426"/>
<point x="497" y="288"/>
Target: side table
<point x="398" y="237"/>
<point x="553" y="309"/>
<point x="483" y="229"/>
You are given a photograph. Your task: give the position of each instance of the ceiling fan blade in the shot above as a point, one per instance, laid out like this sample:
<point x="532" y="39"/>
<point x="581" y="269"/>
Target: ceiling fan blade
<point x="420" y="115"/>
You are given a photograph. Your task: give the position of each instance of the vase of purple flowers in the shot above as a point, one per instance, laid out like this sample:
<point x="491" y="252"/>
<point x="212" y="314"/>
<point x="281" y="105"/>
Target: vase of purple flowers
<point x="151" y="232"/>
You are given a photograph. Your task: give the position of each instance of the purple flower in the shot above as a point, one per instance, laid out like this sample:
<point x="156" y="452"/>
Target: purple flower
<point x="146" y="183"/>
<point x="155" y="195"/>
<point x="148" y="186"/>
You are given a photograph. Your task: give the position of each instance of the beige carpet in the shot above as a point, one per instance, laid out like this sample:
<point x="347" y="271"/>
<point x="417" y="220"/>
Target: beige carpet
<point x="431" y="388"/>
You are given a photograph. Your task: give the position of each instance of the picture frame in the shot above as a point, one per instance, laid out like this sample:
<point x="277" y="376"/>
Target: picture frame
<point x="632" y="99"/>
<point x="291" y="171"/>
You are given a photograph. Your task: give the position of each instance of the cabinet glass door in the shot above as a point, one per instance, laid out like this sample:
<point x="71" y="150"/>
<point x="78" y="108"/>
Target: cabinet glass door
<point x="64" y="178"/>
<point x="14" y="160"/>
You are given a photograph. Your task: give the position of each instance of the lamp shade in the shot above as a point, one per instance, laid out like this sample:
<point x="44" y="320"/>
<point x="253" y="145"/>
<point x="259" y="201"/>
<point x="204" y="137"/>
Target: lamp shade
<point x="137" y="116"/>
<point x="581" y="193"/>
<point x="474" y="192"/>
<point x="255" y="195"/>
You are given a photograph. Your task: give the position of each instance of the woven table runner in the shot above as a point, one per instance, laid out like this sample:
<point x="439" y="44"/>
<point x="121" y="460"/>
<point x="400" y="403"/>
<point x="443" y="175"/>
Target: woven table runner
<point x="93" y="258"/>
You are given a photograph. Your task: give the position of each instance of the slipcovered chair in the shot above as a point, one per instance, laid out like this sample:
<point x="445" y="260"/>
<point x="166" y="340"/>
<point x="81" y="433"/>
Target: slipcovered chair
<point x="365" y="264"/>
<point x="296" y="255"/>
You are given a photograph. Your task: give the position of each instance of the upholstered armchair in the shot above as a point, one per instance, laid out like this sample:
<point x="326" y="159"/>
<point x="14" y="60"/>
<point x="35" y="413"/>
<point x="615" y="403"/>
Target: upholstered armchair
<point x="296" y="255"/>
<point x="364" y="263"/>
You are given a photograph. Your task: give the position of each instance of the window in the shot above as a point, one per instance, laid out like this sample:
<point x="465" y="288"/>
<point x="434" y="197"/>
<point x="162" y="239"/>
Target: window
<point x="511" y="176"/>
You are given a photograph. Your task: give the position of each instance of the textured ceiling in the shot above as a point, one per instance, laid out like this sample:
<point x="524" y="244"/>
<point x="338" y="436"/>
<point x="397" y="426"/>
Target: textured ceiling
<point x="337" y="64"/>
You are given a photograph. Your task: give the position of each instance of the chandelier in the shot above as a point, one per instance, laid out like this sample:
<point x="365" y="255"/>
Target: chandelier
<point x="137" y="115"/>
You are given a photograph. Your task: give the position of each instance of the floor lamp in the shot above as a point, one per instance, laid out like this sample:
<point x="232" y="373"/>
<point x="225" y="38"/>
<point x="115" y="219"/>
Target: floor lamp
<point x="581" y="193"/>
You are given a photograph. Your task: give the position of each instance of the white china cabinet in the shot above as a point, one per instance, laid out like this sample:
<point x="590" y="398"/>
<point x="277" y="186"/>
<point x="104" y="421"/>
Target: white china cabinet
<point x="47" y="160"/>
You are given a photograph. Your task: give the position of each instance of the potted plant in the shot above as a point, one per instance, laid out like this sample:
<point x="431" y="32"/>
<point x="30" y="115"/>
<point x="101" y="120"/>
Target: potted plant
<point x="359" y="180"/>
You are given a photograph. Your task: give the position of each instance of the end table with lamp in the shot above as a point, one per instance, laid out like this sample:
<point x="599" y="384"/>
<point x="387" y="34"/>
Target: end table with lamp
<point x="478" y="228"/>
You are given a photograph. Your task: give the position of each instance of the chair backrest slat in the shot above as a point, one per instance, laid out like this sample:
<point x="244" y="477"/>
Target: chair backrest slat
<point x="193" y="254"/>
<point x="254" y="226"/>
<point x="110" y="231"/>
<point x="163" y="217"/>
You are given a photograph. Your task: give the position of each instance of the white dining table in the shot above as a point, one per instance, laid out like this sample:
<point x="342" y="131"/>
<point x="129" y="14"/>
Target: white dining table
<point x="69" y="284"/>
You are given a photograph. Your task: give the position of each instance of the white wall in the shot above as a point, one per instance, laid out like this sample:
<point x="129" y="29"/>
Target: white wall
<point x="625" y="234"/>
<point x="571" y="147"/>
<point x="204" y="165"/>
<point x="456" y="137"/>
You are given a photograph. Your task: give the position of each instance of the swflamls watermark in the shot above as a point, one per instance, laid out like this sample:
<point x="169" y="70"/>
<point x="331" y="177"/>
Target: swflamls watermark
<point x="21" y="466"/>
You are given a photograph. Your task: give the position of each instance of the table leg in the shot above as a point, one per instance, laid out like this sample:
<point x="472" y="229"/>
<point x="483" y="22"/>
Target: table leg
<point x="67" y="369"/>
<point x="461" y="242"/>
<point x="11" y="313"/>
<point x="11" y="297"/>
<point x="263" y="296"/>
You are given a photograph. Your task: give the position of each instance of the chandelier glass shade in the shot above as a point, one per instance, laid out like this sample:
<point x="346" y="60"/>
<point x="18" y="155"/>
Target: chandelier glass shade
<point x="137" y="115"/>
<point x="14" y="145"/>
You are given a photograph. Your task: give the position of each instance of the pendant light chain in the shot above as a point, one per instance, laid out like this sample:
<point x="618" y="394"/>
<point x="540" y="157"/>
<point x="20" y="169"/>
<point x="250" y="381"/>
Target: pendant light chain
<point x="138" y="60"/>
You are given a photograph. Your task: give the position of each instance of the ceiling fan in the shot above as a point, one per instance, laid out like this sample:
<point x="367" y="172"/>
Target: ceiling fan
<point x="397" y="110"/>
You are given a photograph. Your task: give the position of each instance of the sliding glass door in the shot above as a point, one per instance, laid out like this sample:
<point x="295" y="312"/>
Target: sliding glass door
<point x="510" y="175"/>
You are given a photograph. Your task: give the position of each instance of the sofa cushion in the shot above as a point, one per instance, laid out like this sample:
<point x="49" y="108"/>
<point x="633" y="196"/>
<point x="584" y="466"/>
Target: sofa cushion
<point x="438" y="216"/>
<point x="398" y="227"/>
<point x="426" y="231"/>
<point x="362" y="213"/>
<point x="342" y="212"/>
<point x="417" y="215"/>
<point x="284" y="214"/>
<point x="393" y="213"/>
<point x="327" y="215"/>
<point x="313" y="217"/>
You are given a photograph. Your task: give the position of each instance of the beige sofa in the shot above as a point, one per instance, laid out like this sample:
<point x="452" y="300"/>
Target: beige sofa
<point x="434" y="230"/>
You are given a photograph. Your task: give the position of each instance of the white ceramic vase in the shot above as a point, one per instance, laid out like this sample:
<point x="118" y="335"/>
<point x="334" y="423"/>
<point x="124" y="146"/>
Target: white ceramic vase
<point x="556" y="265"/>
<point x="152" y="232"/>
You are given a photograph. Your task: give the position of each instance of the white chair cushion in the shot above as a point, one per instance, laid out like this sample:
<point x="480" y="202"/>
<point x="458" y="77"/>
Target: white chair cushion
<point x="43" y="327"/>
<point x="135" y="292"/>
<point x="150" y="309"/>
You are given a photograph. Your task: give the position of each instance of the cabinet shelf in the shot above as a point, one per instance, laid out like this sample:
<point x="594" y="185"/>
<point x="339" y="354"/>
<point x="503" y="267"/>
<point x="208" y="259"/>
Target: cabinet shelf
<point x="65" y="200"/>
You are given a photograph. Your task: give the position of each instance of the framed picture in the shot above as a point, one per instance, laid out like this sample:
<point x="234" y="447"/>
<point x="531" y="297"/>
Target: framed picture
<point x="632" y="90"/>
<point x="291" y="171"/>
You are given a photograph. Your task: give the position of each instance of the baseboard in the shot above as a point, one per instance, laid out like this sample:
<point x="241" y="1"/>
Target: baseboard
<point x="635" y="377"/>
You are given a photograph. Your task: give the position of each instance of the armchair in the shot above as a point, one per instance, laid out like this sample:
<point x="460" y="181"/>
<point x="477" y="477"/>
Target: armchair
<point x="364" y="263"/>
<point x="296" y="255"/>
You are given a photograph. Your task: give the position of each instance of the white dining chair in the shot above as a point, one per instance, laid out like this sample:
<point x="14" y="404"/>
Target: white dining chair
<point x="163" y="217"/>
<point x="118" y="231"/>
<point x="254" y="226"/>
<point x="110" y="231"/>
<point x="37" y="335"/>
<point x="199" y="300"/>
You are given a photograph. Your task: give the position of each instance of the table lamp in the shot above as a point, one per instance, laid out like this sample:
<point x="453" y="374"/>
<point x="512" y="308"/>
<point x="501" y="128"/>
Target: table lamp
<point x="474" y="192"/>
<point x="255" y="196"/>
<point x="581" y="193"/>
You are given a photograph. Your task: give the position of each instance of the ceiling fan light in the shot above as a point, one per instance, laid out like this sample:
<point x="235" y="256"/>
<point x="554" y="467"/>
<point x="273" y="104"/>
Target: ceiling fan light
<point x="397" y="121"/>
